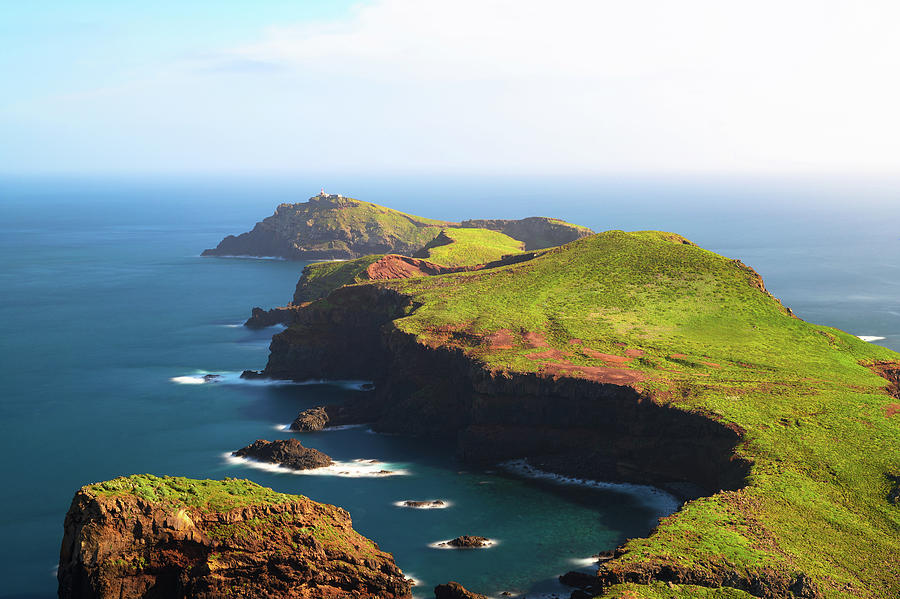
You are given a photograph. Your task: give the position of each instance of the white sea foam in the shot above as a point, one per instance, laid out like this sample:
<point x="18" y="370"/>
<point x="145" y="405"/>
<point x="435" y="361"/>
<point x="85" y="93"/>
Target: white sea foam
<point x="358" y="468"/>
<point x="584" y="562"/>
<point x="443" y="545"/>
<point x="286" y="428"/>
<point x="663" y="502"/>
<point x="871" y="338"/>
<point x="188" y="380"/>
<point x="234" y="378"/>
<point x="402" y="503"/>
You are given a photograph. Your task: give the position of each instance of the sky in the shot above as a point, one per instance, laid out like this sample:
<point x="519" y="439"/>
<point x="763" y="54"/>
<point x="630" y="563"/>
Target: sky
<point x="450" y="86"/>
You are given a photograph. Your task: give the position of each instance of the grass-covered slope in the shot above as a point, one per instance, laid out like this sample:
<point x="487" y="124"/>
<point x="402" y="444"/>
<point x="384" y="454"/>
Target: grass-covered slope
<point x="698" y="332"/>
<point x="469" y="247"/>
<point x="320" y="278"/>
<point x="452" y="248"/>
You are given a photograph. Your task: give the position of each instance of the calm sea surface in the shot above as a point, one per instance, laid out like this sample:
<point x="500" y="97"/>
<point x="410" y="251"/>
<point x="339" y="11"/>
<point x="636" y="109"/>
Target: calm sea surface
<point x="105" y="300"/>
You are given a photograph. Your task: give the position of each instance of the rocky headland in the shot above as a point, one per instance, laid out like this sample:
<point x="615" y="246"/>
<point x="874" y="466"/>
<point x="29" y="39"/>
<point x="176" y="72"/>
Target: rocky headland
<point x="332" y="227"/>
<point x="284" y="452"/>
<point x="175" y="538"/>
<point x="639" y="357"/>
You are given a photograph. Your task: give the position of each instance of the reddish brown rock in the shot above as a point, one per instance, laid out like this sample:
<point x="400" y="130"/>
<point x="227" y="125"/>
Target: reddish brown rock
<point x="125" y="546"/>
<point x="287" y="452"/>
<point x="454" y="590"/>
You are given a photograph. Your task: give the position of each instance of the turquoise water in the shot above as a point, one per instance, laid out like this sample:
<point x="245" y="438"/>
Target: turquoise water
<point x="105" y="300"/>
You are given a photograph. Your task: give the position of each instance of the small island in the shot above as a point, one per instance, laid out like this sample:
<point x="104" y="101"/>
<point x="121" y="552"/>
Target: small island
<point x="333" y="227"/>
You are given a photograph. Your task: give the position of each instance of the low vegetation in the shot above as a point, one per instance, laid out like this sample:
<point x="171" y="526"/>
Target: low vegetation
<point x="205" y="495"/>
<point x="469" y="247"/>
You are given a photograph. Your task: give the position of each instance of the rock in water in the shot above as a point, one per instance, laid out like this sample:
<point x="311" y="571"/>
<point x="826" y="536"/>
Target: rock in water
<point x="454" y="590"/>
<point x="287" y="452"/>
<point x="424" y="504"/>
<point x="146" y="536"/>
<point x="313" y="419"/>
<point x="468" y="542"/>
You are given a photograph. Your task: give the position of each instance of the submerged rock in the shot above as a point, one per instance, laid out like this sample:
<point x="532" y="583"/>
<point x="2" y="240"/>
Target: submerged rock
<point x="287" y="452"/>
<point x="146" y="536"/>
<point x="454" y="590"/>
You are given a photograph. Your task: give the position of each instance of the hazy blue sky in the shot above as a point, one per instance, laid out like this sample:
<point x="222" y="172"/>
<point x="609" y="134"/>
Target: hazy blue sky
<point x="569" y="86"/>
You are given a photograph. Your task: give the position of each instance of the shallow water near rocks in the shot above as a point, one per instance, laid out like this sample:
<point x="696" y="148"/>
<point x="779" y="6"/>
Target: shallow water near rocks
<point x="109" y="320"/>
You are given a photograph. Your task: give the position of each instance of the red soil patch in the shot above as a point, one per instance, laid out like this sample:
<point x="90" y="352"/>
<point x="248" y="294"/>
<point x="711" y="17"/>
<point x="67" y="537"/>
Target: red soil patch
<point x="575" y="342"/>
<point x="634" y="353"/>
<point x="611" y="358"/>
<point x="550" y="354"/>
<point x="598" y="374"/>
<point x="891" y="409"/>
<point x="502" y="339"/>
<point x="533" y="340"/>
<point x="678" y="356"/>
<point x="713" y="364"/>
<point x="394" y="266"/>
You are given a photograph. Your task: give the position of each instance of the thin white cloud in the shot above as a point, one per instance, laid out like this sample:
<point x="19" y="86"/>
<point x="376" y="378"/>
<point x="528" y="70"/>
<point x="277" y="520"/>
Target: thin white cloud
<point x="695" y="84"/>
<point x="524" y="85"/>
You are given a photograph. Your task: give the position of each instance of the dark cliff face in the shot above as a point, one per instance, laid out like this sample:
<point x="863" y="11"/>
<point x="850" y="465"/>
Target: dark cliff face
<point x="124" y="547"/>
<point x="537" y="232"/>
<point x="562" y="424"/>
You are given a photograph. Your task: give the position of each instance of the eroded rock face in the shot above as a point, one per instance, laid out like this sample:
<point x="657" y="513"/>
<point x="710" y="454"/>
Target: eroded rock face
<point x="287" y="452"/>
<point x="124" y="546"/>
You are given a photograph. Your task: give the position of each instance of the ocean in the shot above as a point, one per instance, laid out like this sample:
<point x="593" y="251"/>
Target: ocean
<point x="108" y="315"/>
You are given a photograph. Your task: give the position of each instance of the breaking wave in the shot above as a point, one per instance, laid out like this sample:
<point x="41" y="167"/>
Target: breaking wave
<point x="871" y="338"/>
<point x="429" y="504"/>
<point x="662" y="501"/>
<point x="359" y="468"/>
<point x="234" y="378"/>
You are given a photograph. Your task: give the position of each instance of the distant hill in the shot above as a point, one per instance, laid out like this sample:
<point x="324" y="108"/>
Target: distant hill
<point x="329" y="227"/>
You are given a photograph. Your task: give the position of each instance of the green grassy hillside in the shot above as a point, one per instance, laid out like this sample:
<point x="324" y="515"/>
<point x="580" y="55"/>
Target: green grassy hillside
<point x="698" y="332"/>
<point x="469" y="247"/>
<point x="320" y="278"/>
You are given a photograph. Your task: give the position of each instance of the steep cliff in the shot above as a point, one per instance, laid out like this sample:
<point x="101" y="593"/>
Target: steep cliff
<point x="144" y="536"/>
<point x="641" y="357"/>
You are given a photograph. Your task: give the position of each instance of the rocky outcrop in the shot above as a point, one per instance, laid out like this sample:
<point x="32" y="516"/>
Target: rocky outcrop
<point x="286" y="452"/>
<point x="283" y="315"/>
<point x="436" y="503"/>
<point x="537" y="232"/>
<point x="314" y="419"/>
<point x="454" y="590"/>
<point x="176" y="538"/>
<point x="467" y="542"/>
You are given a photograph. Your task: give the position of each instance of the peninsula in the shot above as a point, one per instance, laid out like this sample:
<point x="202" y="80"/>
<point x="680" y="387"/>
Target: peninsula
<point x="641" y="357"/>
